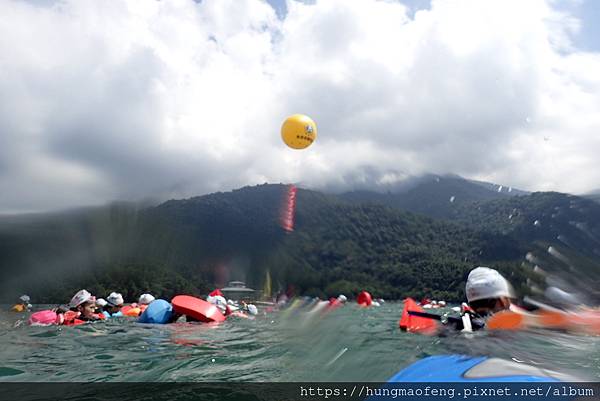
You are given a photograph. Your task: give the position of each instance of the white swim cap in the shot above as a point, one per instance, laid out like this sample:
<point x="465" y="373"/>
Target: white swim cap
<point x="101" y="302"/>
<point x="218" y="300"/>
<point x="81" y="297"/>
<point x="25" y="298"/>
<point x="145" y="299"/>
<point x="115" y="299"/>
<point x="342" y="298"/>
<point x="253" y="310"/>
<point x="486" y="283"/>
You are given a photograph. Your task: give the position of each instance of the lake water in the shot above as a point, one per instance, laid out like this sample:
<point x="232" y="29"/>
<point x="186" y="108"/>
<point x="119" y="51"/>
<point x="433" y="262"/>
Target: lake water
<point x="347" y="344"/>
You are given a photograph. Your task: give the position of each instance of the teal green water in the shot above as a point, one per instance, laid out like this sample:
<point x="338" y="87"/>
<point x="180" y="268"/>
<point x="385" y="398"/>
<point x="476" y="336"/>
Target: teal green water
<point x="348" y="344"/>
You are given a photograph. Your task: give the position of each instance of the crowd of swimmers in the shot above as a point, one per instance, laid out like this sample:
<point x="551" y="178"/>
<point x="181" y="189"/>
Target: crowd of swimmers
<point x="85" y="307"/>
<point x="486" y="289"/>
<point x="487" y="292"/>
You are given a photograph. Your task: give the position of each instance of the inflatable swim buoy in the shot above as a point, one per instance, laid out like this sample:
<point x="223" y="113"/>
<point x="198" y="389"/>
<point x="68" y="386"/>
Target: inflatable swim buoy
<point x="364" y="299"/>
<point x="466" y="369"/>
<point x="72" y="318"/>
<point x="158" y="312"/>
<point x="131" y="311"/>
<point x="196" y="308"/>
<point x="45" y="318"/>
<point x="334" y="303"/>
<point x="586" y="322"/>
<point x="239" y="314"/>
<point x="416" y="324"/>
<point x="18" y="308"/>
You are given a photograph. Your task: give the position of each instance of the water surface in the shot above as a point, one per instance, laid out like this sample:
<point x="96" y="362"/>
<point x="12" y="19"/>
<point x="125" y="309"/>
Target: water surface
<point x="348" y="344"/>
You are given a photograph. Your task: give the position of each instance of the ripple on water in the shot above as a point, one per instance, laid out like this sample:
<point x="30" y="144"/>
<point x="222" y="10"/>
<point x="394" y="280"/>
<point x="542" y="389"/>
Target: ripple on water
<point x="103" y="356"/>
<point x="51" y="332"/>
<point x="346" y="344"/>
<point x="4" y="371"/>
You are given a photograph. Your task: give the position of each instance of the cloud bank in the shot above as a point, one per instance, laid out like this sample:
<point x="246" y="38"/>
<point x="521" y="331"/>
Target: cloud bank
<point x="132" y="99"/>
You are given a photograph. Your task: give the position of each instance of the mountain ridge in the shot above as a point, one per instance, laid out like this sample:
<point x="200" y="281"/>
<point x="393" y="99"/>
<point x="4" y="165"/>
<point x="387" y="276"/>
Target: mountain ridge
<point x="339" y="245"/>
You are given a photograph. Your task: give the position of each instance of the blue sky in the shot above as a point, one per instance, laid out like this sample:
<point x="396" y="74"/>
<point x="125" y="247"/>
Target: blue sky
<point x="587" y="11"/>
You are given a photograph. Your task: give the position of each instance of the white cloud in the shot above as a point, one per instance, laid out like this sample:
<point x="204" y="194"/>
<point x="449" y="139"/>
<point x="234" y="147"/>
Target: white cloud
<point x="127" y="99"/>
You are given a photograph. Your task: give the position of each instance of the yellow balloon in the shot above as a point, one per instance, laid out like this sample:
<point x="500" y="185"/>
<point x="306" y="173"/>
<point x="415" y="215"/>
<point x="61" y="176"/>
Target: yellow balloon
<point x="298" y="131"/>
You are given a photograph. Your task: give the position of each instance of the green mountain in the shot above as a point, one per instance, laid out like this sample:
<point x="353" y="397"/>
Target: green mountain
<point x="433" y="195"/>
<point x="337" y="246"/>
<point x="560" y="231"/>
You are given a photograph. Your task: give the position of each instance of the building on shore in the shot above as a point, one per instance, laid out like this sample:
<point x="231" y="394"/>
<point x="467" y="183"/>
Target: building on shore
<point x="238" y="291"/>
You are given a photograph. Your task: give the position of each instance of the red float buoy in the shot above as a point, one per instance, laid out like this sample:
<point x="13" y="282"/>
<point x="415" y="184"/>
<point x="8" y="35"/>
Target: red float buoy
<point x="364" y="299"/>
